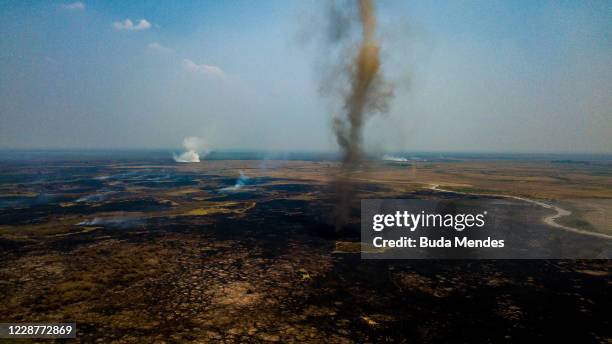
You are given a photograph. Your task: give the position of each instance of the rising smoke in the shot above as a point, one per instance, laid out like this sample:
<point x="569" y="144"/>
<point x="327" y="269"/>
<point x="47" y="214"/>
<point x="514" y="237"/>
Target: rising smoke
<point x="194" y="148"/>
<point x="364" y="91"/>
<point x="393" y="158"/>
<point x="240" y="182"/>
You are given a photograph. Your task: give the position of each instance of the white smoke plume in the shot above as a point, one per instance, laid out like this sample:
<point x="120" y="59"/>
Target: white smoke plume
<point x="194" y="149"/>
<point x="116" y="222"/>
<point x="393" y="158"/>
<point x="189" y="156"/>
<point x="240" y="182"/>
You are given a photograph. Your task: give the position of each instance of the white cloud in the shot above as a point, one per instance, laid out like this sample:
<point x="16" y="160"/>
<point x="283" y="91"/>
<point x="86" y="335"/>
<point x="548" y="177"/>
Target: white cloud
<point x="77" y="6"/>
<point x="203" y="69"/>
<point x="127" y="24"/>
<point x="158" y="47"/>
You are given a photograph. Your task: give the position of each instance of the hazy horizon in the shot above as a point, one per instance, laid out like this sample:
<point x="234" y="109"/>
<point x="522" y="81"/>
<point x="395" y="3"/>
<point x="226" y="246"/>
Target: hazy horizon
<point x="470" y="77"/>
<point x="277" y="154"/>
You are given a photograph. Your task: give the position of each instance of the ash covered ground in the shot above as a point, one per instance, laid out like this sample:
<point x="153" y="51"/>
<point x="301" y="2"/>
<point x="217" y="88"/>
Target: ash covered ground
<point x="246" y="251"/>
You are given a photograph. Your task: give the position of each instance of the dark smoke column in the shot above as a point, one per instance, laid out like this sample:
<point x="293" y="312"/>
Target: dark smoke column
<point x="367" y="95"/>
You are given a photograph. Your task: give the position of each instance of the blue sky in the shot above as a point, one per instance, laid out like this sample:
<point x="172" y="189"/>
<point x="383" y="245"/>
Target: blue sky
<point x="509" y="76"/>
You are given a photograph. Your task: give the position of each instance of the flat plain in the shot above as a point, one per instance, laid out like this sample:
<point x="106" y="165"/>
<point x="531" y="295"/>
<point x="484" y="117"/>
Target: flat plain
<point x="246" y="250"/>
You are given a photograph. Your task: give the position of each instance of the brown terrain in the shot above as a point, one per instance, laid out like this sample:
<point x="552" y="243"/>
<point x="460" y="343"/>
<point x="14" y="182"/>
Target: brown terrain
<point x="163" y="252"/>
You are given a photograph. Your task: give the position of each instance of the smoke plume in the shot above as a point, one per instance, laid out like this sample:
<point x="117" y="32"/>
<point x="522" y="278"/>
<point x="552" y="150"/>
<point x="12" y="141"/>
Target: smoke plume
<point x="240" y="182"/>
<point x="194" y="147"/>
<point x="394" y="158"/>
<point x="364" y="92"/>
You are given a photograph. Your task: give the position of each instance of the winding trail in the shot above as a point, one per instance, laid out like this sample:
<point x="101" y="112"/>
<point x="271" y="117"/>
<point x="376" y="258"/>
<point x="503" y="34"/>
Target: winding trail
<point x="549" y="220"/>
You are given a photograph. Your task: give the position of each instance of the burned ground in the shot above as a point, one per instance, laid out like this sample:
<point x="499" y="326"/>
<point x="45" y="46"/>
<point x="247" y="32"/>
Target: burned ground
<point x="174" y="258"/>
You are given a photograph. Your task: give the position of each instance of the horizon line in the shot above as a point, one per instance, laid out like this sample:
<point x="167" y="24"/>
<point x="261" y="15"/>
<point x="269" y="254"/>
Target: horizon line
<point x="290" y="151"/>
